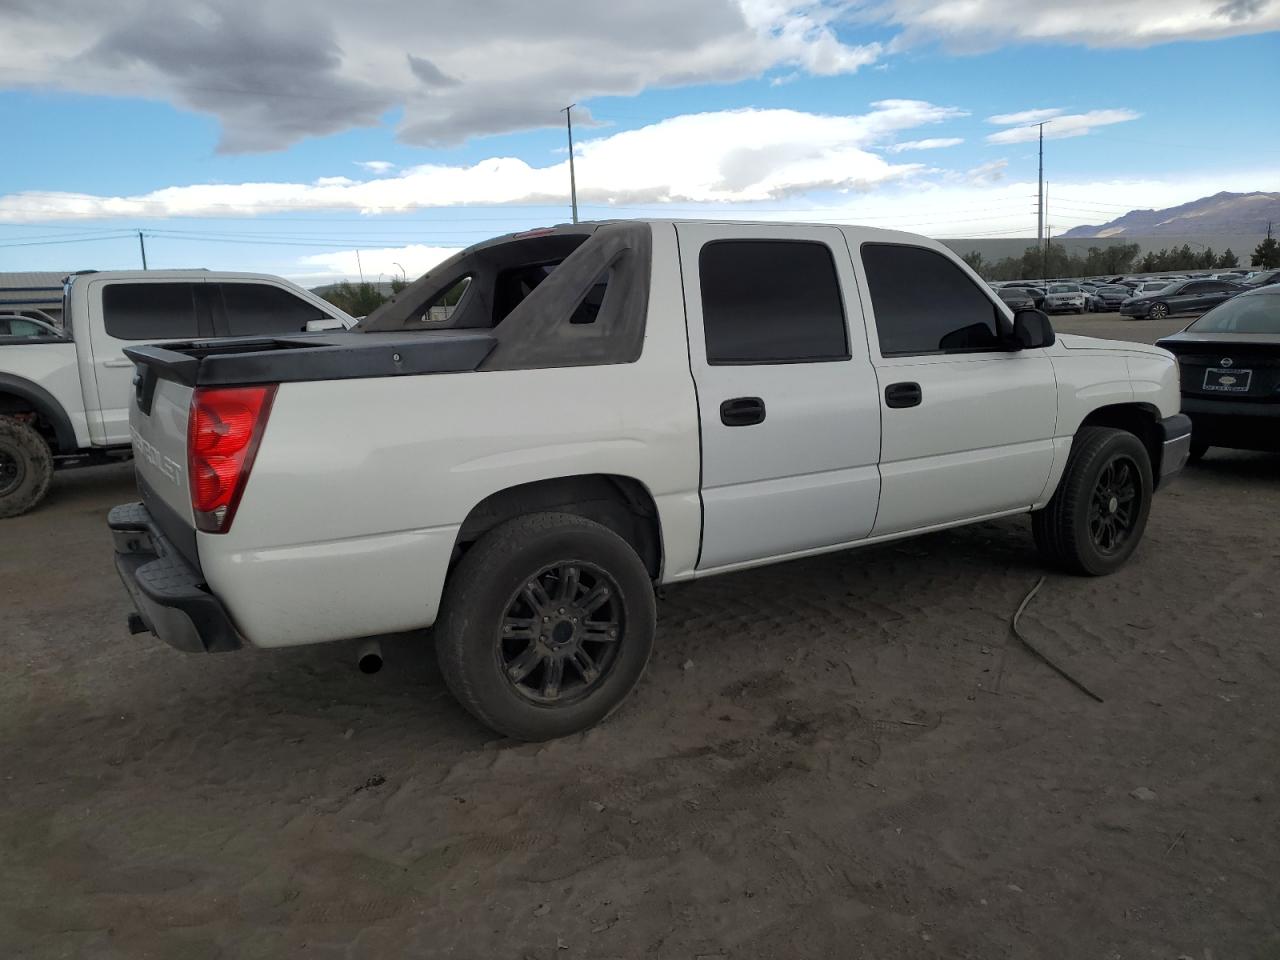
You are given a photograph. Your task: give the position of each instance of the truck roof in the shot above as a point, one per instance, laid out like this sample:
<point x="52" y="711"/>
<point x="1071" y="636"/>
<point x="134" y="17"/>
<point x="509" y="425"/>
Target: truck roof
<point x="191" y="273"/>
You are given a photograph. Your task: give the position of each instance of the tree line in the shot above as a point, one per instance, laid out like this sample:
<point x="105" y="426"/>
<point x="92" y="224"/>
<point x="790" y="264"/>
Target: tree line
<point x="1113" y="260"/>
<point x="360" y="299"/>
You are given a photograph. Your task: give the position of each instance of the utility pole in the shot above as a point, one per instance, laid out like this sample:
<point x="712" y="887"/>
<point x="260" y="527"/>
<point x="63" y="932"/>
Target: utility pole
<point x="360" y="267"/>
<point x="1048" y="234"/>
<point x="573" y="183"/>
<point x="1040" y="213"/>
<point x="143" y="247"/>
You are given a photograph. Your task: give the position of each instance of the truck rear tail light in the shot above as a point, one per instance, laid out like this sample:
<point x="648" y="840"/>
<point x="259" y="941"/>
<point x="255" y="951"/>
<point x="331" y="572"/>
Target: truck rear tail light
<point x="223" y="433"/>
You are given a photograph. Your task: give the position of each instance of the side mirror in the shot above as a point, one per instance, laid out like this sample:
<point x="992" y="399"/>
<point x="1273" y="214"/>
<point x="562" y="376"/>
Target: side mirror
<point x="322" y="324"/>
<point x="1032" y="329"/>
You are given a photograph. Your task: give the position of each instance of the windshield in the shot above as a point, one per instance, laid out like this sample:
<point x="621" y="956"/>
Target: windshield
<point x="1153" y="287"/>
<point x="1110" y="288"/>
<point x="1251" y="314"/>
<point x="1014" y="294"/>
<point x="1063" y="288"/>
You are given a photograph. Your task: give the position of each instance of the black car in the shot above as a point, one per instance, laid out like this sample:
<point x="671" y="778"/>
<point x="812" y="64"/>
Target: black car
<point x="1108" y="297"/>
<point x="1017" y="298"/>
<point x="1036" y="293"/>
<point x="1229" y="362"/>
<point x="1180" y="296"/>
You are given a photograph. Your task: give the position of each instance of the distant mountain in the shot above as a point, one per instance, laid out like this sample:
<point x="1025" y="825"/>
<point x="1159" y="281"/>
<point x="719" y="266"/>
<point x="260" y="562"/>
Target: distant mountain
<point x="1223" y="214"/>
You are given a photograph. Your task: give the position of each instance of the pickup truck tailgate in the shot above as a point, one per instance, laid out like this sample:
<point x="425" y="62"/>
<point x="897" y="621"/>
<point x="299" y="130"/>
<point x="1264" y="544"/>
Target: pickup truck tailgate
<point x="158" y="425"/>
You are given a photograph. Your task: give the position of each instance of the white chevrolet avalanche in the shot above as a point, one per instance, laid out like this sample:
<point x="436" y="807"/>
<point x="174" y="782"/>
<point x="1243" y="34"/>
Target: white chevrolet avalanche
<point x="533" y="435"/>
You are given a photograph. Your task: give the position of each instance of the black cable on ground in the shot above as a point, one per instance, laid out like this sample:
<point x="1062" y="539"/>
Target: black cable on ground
<point x="1030" y="646"/>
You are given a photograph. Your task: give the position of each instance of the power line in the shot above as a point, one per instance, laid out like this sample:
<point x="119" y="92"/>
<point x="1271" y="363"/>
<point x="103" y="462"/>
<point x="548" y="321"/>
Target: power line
<point x="43" y="243"/>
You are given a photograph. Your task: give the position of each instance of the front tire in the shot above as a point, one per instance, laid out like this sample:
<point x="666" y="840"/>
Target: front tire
<point x="546" y="625"/>
<point x="26" y="467"/>
<point x="1099" y="512"/>
<point x="1158" y="311"/>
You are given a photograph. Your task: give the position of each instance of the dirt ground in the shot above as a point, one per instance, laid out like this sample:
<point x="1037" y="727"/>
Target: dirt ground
<point x="840" y="757"/>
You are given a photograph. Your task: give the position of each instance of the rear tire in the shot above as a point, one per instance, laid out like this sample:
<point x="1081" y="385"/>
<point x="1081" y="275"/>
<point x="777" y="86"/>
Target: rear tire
<point x="26" y="467"/>
<point x="1198" y="449"/>
<point x="1099" y="512"/>
<point x="546" y="625"/>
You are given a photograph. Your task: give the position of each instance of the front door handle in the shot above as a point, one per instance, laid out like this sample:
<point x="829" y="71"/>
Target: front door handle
<point x="899" y="395"/>
<point x="742" y="412"/>
<point x="122" y="362"/>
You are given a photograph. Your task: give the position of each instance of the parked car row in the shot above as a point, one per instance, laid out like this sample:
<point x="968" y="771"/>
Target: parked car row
<point x="1139" y="298"/>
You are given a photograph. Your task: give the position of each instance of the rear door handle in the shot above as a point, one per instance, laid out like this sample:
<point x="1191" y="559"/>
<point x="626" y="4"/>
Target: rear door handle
<point x="899" y="395"/>
<point x="742" y="412"/>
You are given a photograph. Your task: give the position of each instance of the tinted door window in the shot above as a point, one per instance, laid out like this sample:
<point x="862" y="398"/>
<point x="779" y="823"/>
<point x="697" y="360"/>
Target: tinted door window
<point x="150" y="311"/>
<point x="258" y="310"/>
<point x="924" y="303"/>
<point x="771" y="301"/>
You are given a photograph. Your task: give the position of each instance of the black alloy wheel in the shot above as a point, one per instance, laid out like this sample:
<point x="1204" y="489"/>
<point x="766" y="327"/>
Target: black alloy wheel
<point x="1114" y="507"/>
<point x="560" y="633"/>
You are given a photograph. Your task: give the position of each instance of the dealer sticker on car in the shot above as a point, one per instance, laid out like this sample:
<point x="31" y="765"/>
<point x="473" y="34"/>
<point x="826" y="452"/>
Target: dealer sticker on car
<point x="1227" y="381"/>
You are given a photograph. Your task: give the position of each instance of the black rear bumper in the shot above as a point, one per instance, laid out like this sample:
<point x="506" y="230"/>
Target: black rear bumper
<point x="1238" y="424"/>
<point x="169" y="593"/>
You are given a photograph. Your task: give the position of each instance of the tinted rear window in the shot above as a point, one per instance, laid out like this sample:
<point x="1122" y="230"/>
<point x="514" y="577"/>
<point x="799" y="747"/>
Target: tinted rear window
<point x="150" y="311"/>
<point x="771" y="301"/>
<point x="1254" y="313"/>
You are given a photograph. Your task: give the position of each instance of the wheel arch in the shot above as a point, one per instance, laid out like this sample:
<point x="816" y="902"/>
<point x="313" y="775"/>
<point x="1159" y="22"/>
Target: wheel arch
<point x="1140" y="419"/>
<point x="621" y="503"/>
<point x="18" y="395"/>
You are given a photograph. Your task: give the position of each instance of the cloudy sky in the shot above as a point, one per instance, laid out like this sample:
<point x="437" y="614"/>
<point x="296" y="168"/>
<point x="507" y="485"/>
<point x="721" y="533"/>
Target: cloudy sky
<point x="284" y="136"/>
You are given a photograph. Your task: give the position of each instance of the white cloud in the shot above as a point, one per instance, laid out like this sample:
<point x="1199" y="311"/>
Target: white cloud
<point x="970" y="25"/>
<point x="990" y="172"/>
<point x="1024" y="116"/>
<point x="276" y="73"/>
<point x="376" y="166"/>
<point x="385" y="262"/>
<point x="1063" y="125"/>
<point x="730" y="156"/>
<point x="929" y="143"/>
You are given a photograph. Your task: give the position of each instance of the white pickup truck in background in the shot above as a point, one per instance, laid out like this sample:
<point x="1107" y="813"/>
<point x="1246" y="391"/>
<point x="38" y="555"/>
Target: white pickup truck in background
<point x="531" y="436"/>
<point x="64" y="394"/>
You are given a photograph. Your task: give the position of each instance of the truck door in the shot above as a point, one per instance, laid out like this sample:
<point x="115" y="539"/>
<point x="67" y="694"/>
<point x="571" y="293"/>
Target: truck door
<point x="968" y="424"/>
<point x="787" y="398"/>
<point x="124" y="313"/>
